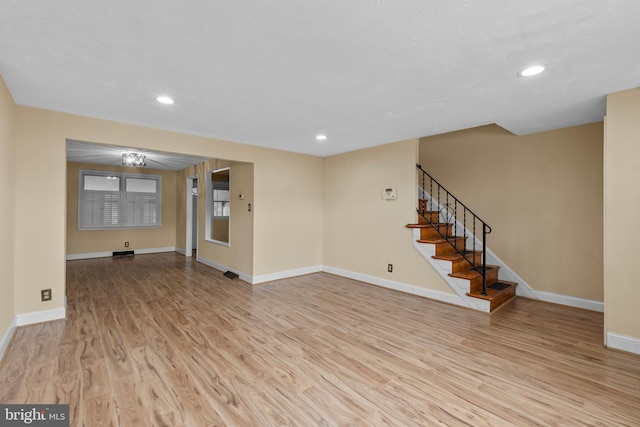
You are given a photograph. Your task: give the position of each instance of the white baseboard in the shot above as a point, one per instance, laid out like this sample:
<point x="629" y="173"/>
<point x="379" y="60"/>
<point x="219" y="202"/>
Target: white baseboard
<point x="398" y="286"/>
<point x="29" y="319"/>
<point x="72" y="257"/>
<point x="181" y="251"/>
<point x="242" y="276"/>
<point x="40" y="316"/>
<point x="154" y="250"/>
<point x="623" y="342"/>
<point x="6" y="338"/>
<point x="254" y="280"/>
<point x="568" y="300"/>
<point x="286" y="274"/>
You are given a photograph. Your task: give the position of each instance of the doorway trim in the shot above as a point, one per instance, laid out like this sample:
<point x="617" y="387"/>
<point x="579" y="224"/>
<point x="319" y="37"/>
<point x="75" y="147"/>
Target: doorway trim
<point x="189" y="217"/>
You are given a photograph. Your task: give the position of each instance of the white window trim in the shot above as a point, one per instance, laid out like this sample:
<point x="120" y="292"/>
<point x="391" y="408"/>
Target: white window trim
<point x="123" y="176"/>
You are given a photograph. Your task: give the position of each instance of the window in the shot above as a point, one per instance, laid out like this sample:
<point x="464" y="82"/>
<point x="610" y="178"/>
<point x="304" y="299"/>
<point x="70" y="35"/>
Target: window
<point x="113" y="200"/>
<point x="218" y="206"/>
<point x="221" y="202"/>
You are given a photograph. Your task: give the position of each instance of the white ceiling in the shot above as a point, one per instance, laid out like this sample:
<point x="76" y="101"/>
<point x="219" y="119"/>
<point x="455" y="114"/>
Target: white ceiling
<point x="365" y="72"/>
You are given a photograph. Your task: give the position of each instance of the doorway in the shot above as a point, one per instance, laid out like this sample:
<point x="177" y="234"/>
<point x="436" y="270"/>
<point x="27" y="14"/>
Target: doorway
<point x="191" y="241"/>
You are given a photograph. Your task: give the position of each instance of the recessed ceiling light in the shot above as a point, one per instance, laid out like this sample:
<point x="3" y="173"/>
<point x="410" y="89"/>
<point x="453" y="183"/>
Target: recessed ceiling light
<point x="321" y="137"/>
<point x="531" y="71"/>
<point x="164" y="100"/>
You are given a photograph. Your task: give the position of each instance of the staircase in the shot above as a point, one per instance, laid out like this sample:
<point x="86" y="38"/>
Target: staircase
<point x="448" y="232"/>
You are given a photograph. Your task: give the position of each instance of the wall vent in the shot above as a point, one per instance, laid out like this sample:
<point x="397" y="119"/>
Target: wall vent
<point x="122" y="253"/>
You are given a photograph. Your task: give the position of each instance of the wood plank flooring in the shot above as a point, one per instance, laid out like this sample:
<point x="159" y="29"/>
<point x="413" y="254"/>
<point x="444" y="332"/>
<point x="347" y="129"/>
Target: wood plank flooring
<point x="160" y="340"/>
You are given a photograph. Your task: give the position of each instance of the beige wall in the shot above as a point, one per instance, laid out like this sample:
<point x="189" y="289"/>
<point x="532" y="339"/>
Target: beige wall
<point x="40" y="237"/>
<point x="363" y="233"/>
<point x="541" y="193"/>
<point x="287" y="212"/>
<point x="81" y="242"/>
<point x="622" y="205"/>
<point x="288" y="196"/>
<point x="7" y="207"/>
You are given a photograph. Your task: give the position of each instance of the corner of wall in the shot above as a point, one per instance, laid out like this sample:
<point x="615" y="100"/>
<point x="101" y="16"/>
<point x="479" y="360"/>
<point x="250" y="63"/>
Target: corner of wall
<point x="8" y="115"/>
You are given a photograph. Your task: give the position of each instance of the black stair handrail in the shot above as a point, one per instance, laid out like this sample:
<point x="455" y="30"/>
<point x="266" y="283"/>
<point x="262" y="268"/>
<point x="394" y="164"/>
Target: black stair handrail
<point x="428" y="207"/>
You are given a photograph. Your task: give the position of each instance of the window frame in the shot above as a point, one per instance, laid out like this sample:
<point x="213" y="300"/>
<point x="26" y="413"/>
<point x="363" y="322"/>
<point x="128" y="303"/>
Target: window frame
<point x="123" y="201"/>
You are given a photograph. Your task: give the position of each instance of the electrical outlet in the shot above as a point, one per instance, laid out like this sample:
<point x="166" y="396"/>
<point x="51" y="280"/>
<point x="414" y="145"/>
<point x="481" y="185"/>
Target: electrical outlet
<point x="45" y="294"/>
<point x="126" y="244"/>
<point x="390" y="268"/>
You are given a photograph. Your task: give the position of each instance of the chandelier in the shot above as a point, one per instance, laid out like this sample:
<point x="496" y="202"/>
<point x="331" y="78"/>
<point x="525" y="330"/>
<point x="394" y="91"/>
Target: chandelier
<point x="133" y="159"/>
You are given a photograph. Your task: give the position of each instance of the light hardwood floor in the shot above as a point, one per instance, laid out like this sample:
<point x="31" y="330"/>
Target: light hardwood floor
<point x="162" y="340"/>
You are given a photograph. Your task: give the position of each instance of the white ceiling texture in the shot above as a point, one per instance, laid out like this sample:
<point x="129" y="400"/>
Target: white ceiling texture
<point x="363" y="72"/>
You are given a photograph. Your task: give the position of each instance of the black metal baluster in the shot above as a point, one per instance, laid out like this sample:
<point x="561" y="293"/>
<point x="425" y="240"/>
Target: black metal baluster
<point x="486" y="229"/>
<point x="446" y="209"/>
<point x="422" y="198"/>
<point x="464" y="225"/>
<point x="473" y="236"/>
<point x="430" y="194"/>
<point x="455" y="217"/>
<point x="439" y="202"/>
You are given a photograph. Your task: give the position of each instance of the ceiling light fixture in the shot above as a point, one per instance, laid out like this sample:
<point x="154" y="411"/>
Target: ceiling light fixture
<point x="531" y="71"/>
<point x="135" y="160"/>
<point x="164" y="100"/>
<point x="321" y="137"/>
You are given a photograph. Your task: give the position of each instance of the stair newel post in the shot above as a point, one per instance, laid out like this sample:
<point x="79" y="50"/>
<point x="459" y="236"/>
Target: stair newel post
<point x="484" y="257"/>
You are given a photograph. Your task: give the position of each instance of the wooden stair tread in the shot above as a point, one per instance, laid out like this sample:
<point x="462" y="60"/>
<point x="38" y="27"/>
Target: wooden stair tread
<point x="471" y="273"/>
<point x="435" y="225"/>
<point x="497" y="297"/>
<point x="455" y="256"/>
<point x="491" y="294"/>
<point x="441" y="240"/>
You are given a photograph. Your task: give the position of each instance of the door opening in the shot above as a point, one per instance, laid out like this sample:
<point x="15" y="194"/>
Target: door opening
<point x="191" y="243"/>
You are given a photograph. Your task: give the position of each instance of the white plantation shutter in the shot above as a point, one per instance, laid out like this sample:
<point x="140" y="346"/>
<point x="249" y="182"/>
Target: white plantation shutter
<point x="141" y="209"/>
<point x="101" y="209"/>
<point x="118" y="200"/>
<point x="141" y="202"/>
<point x="101" y="201"/>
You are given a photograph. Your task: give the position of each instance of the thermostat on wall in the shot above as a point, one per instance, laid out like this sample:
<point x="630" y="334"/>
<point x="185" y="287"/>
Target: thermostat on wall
<point x="389" y="194"/>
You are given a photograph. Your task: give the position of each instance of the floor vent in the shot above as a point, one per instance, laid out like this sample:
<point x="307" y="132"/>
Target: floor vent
<point x="122" y="253"/>
<point x="231" y="275"/>
<point x="499" y="286"/>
